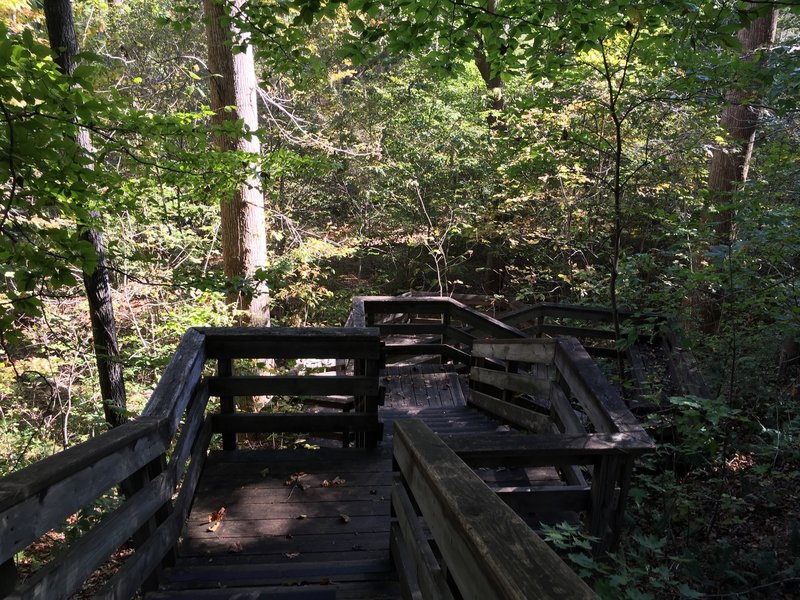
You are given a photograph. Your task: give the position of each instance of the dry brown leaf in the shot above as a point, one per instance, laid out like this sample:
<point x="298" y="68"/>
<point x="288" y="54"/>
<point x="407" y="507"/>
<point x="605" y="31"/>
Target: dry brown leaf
<point x="334" y="482"/>
<point x="344" y="518"/>
<point x="214" y="526"/>
<point x="217" y="515"/>
<point x="235" y="548"/>
<point x="294" y="478"/>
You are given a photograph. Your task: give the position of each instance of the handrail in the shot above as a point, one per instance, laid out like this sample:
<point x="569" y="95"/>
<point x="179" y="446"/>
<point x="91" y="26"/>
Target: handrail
<point x="486" y="548"/>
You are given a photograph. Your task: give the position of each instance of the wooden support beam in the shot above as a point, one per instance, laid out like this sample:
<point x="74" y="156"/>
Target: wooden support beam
<point x="227" y="402"/>
<point x="128" y="578"/>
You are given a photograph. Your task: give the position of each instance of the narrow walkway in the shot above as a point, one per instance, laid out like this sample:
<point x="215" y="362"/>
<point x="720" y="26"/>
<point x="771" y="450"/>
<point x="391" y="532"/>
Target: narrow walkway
<point x="315" y="523"/>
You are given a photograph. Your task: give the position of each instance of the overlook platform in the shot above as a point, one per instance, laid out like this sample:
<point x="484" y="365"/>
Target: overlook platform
<point x="457" y="436"/>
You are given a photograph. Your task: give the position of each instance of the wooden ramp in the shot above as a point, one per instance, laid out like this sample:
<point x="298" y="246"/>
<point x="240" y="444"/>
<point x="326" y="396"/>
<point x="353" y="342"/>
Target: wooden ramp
<point x="315" y="523"/>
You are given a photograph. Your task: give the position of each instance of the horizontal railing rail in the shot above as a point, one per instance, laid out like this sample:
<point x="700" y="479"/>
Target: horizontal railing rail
<point x="541" y="380"/>
<point x="156" y="459"/>
<point x="436" y="326"/>
<point x="133" y="457"/>
<point x="357" y="391"/>
<point x="483" y="549"/>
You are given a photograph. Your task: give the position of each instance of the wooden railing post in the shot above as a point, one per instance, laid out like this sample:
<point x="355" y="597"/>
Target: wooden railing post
<point x="227" y="404"/>
<point x="446" y="320"/>
<point x="604" y="506"/>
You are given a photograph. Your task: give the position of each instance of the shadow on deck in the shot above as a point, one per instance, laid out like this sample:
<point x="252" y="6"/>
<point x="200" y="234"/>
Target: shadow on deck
<point x="439" y="497"/>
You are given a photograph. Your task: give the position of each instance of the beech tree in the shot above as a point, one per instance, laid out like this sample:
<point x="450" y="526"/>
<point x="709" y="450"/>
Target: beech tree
<point x="234" y="98"/>
<point x="63" y="41"/>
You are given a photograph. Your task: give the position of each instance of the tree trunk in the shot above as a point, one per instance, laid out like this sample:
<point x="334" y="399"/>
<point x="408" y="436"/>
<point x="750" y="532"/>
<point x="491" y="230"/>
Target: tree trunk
<point x="729" y="165"/>
<point x="61" y="32"/>
<point x="234" y="85"/>
<point x="495" y="269"/>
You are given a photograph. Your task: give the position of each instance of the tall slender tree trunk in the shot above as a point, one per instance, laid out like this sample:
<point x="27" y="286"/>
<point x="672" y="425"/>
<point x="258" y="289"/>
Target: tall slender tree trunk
<point x="730" y="164"/>
<point x="495" y="258"/>
<point x="63" y="41"/>
<point x="234" y="85"/>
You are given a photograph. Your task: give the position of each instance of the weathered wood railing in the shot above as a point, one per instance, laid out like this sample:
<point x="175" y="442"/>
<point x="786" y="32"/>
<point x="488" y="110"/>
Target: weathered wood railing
<point x="163" y="451"/>
<point x="453" y="326"/>
<point x="555" y="319"/>
<point x="536" y="391"/>
<point x="486" y="550"/>
<point x="361" y="346"/>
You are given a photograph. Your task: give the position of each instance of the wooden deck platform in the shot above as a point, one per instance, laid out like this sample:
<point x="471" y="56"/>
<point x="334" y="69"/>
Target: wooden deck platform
<point x="426" y="504"/>
<point x="317" y="521"/>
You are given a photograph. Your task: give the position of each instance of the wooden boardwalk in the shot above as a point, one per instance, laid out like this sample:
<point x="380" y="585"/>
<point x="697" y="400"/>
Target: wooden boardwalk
<point x="418" y="508"/>
<point x="316" y="522"/>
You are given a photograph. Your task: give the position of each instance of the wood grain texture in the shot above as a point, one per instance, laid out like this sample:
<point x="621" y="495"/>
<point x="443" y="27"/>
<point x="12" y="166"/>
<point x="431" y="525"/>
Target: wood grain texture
<point x="544" y="448"/>
<point x="427" y="573"/>
<point x="524" y="350"/>
<point x="295" y="385"/>
<point x="174" y="388"/>
<point x="40" y="497"/>
<point x="291" y="342"/>
<point x="521" y="383"/>
<point x="130" y="576"/>
<point x="483" y="542"/>
<point x="602" y="403"/>
<point x="295" y="422"/>
<point x="519" y="417"/>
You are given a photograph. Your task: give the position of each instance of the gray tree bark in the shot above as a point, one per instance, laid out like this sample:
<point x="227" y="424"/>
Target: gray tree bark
<point x="234" y="85"/>
<point x="63" y="41"/>
<point x="730" y="164"/>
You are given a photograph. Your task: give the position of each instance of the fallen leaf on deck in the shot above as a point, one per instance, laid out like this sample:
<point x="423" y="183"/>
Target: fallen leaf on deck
<point x="235" y="548"/>
<point x="344" y="518"/>
<point x="334" y="482"/>
<point x="294" y="478"/>
<point x="216" y="515"/>
<point x="214" y="526"/>
<point x="292" y="554"/>
<point x="264" y="472"/>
